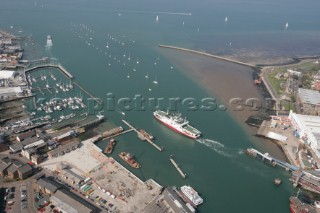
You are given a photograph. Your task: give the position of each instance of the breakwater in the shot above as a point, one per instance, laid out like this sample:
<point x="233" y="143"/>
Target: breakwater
<point x="208" y="54"/>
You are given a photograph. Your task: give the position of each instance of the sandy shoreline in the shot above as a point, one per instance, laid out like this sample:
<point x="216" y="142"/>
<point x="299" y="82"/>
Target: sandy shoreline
<point x="225" y="81"/>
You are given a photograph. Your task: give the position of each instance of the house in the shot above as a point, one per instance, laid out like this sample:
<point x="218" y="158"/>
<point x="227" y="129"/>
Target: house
<point x="4" y="165"/>
<point x="24" y="171"/>
<point x="15" y="169"/>
<point x="36" y="159"/>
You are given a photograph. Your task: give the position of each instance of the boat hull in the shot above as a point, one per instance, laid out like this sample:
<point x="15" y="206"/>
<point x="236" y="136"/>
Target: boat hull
<point x="175" y="129"/>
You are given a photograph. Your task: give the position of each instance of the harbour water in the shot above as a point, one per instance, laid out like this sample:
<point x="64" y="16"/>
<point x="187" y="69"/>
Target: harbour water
<point x="228" y="180"/>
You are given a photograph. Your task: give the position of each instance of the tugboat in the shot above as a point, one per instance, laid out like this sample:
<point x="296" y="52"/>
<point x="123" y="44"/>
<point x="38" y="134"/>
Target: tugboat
<point x="128" y="158"/>
<point x="109" y="148"/>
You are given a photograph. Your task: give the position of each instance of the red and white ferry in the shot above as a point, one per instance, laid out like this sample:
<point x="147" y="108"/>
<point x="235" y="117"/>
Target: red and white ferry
<point x="176" y="123"/>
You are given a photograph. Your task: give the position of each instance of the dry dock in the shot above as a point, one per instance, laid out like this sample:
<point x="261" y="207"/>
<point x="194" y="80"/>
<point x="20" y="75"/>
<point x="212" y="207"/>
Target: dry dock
<point x="147" y="139"/>
<point x="183" y="175"/>
<point x="208" y="54"/>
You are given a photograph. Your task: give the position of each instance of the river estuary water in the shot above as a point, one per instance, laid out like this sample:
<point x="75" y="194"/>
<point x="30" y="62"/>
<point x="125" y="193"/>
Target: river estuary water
<point x="85" y="33"/>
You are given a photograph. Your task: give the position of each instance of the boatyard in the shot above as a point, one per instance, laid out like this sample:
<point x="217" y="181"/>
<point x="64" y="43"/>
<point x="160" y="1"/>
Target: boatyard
<point x="111" y="181"/>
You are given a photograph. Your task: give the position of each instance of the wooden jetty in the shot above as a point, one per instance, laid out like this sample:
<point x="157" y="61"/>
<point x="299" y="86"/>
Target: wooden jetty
<point x="49" y="90"/>
<point x="40" y="90"/>
<point x="147" y="139"/>
<point x="183" y="175"/>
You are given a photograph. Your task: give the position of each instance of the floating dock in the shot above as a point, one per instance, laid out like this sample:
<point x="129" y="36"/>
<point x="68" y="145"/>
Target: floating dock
<point x="183" y="175"/>
<point x="270" y="160"/>
<point x="147" y="139"/>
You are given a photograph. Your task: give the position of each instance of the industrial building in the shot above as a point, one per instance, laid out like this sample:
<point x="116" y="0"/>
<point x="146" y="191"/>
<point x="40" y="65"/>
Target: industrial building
<point x="307" y="128"/>
<point x="46" y="186"/>
<point x="309" y="101"/>
<point x="67" y="202"/>
<point x="168" y="201"/>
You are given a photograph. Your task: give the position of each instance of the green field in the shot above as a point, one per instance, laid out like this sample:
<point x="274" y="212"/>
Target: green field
<point x="274" y="81"/>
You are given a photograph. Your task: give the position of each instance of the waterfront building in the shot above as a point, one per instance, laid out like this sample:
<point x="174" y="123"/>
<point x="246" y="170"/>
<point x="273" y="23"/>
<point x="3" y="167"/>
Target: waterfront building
<point x="170" y="201"/>
<point x="307" y="128"/>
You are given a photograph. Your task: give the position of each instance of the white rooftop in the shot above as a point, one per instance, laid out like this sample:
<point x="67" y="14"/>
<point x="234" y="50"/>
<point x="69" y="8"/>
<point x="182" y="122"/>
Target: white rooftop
<point x="5" y="74"/>
<point x="308" y="122"/>
<point x="35" y="144"/>
<point x="276" y="136"/>
<point x="309" y="96"/>
<point x="10" y="90"/>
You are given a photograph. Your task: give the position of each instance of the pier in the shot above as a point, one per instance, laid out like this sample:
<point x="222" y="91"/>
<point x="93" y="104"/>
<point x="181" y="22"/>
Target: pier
<point x="111" y="133"/>
<point x="92" y="123"/>
<point x="115" y="135"/>
<point x="208" y="54"/>
<point x="89" y="94"/>
<point x="40" y="90"/>
<point x="183" y="175"/>
<point x="270" y="160"/>
<point x="147" y="139"/>
<point x="49" y="90"/>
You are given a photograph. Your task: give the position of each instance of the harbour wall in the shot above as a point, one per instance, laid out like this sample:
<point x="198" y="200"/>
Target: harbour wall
<point x="208" y="54"/>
